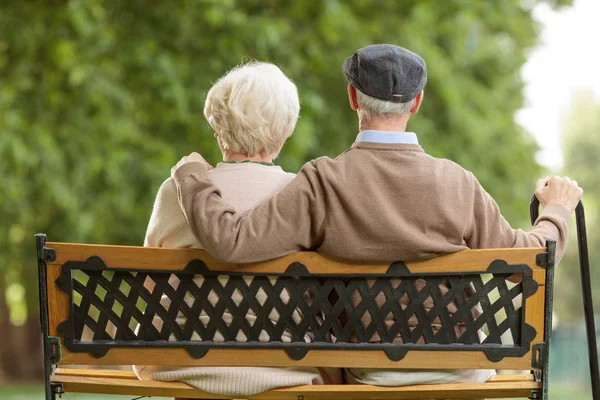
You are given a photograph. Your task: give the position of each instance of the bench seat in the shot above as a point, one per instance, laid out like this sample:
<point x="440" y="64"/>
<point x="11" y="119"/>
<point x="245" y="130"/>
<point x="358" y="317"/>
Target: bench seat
<point x="125" y="382"/>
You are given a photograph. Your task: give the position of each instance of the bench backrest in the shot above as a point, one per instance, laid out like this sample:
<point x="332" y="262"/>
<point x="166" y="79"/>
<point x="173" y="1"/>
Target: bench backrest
<point x="115" y="305"/>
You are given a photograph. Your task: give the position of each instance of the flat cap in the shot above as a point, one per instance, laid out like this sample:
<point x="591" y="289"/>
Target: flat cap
<point x="386" y="72"/>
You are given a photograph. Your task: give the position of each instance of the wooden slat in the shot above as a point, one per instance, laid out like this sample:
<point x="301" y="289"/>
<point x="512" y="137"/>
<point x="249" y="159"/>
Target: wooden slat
<point x="97" y="372"/>
<point x="424" y="359"/>
<point x="58" y="301"/>
<point x="161" y="258"/>
<point x="534" y="310"/>
<point x="128" y="374"/>
<point x="312" y="392"/>
<point x="506" y="378"/>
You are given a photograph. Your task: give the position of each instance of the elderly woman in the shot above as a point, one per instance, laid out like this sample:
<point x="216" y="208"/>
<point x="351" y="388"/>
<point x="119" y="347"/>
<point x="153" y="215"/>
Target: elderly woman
<point x="253" y="110"/>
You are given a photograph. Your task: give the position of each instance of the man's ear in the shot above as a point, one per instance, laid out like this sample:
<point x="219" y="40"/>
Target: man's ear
<point x="352" y="97"/>
<point x="418" y="101"/>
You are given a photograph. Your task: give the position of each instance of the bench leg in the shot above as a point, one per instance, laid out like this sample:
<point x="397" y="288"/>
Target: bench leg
<point x="55" y="389"/>
<point x="543" y="394"/>
<point x="51" y="345"/>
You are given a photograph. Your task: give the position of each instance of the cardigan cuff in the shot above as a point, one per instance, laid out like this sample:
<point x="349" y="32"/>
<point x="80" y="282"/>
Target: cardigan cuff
<point x="556" y="209"/>
<point x="188" y="169"/>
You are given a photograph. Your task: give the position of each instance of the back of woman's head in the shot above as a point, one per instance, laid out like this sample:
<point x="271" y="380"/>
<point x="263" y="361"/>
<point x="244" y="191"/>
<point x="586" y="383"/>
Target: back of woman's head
<point x="253" y="108"/>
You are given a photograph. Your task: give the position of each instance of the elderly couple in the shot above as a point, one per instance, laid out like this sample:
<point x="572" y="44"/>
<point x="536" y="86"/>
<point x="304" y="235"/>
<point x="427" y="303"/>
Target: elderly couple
<point x="384" y="199"/>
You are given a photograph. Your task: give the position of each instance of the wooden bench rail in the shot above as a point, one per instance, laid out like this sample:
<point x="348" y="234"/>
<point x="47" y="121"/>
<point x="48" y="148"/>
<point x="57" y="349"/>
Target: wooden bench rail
<point x="162" y="258"/>
<point x="125" y="382"/>
<point x="423" y="359"/>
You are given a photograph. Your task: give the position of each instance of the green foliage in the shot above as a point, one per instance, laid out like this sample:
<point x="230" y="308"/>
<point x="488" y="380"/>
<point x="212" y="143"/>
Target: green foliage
<point x="581" y="144"/>
<point x="99" y="99"/>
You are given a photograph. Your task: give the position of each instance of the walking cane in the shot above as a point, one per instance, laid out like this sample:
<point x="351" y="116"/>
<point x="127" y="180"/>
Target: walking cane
<point x="588" y="305"/>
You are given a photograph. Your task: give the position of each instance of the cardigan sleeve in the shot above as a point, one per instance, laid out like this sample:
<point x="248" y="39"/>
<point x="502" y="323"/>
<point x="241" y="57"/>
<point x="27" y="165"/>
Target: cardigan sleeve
<point x="289" y="221"/>
<point x="489" y="229"/>
<point x="167" y="226"/>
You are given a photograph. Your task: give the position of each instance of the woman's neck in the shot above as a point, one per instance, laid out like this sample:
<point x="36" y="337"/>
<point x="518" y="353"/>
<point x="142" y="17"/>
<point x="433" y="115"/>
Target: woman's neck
<point x="262" y="156"/>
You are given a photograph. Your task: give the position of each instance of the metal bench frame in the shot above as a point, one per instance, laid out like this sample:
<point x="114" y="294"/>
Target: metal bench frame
<point x="62" y="323"/>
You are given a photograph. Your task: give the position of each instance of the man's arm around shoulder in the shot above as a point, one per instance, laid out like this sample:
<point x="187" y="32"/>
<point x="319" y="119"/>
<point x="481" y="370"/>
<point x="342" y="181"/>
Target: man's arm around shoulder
<point x="291" y="220"/>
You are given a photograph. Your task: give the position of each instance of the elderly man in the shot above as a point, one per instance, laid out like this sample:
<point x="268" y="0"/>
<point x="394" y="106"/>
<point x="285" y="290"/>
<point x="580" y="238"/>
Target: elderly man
<point x="384" y="199"/>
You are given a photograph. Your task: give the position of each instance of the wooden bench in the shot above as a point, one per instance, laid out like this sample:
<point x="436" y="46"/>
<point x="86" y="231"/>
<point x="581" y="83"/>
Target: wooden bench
<point x="97" y="309"/>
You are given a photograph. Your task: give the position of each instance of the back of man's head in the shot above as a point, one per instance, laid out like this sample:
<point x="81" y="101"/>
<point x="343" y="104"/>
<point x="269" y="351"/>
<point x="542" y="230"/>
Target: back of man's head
<point x="370" y="107"/>
<point x="387" y="79"/>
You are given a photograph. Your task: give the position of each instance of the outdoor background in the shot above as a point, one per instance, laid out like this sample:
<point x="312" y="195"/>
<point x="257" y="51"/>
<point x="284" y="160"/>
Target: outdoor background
<point x="99" y="99"/>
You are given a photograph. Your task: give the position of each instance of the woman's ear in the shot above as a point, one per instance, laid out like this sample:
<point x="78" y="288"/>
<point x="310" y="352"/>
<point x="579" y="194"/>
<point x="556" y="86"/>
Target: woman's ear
<point x="222" y="145"/>
<point x="352" y="97"/>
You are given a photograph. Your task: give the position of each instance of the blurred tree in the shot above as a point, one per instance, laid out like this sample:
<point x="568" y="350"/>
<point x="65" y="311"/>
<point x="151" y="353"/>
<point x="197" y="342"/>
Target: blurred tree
<point x="99" y="99"/>
<point x="581" y="144"/>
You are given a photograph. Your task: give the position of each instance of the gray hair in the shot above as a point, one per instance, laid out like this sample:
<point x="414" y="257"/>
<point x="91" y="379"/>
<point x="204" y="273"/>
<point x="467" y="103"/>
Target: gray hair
<point x="369" y="107"/>
<point x="254" y="107"/>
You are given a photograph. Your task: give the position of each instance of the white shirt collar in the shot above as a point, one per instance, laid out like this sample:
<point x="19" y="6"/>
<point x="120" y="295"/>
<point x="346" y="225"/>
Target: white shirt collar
<point x="387" y="137"/>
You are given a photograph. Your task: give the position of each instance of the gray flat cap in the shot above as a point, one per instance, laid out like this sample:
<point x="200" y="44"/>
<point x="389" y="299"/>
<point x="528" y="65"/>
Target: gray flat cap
<point x="386" y="72"/>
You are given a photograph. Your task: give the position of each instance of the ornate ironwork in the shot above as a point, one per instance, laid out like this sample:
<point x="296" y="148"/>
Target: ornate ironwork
<point x="198" y="309"/>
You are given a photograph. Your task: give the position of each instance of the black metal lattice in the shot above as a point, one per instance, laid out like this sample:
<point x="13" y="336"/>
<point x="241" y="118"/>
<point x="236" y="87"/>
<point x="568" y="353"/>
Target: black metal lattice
<point x="297" y="311"/>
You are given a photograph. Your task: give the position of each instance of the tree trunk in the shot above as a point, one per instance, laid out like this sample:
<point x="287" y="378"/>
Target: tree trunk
<point x="21" y="346"/>
<point x="32" y="364"/>
<point x="6" y="369"/>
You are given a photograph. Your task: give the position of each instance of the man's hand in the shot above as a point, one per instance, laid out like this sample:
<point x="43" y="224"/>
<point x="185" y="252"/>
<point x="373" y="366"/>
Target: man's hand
<point x="558" y="190"/>
<point x="193" y="157"/>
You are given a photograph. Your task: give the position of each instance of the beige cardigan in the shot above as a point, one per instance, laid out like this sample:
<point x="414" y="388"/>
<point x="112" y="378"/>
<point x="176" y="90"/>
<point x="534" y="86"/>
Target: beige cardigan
<point x="375" y="202"/>
<point x="243" y="185"/>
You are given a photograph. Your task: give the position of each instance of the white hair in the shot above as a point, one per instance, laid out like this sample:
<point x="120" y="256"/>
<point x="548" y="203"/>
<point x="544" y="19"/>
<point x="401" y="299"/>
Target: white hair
<point x="253" y="108"/>
<point x="369" y="107"/>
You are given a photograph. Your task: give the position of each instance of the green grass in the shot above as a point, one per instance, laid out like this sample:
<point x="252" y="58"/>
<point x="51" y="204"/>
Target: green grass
<point x="561" y="394"/>
<point x="36" y="391"/>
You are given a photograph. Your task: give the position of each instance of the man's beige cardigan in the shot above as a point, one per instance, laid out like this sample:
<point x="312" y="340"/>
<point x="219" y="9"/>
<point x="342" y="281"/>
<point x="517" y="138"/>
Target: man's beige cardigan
<point x="375" y="202"/>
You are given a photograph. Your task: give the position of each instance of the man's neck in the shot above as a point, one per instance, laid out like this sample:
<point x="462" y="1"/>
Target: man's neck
<point x="392" y="124"/>
<point x="262" y="156"/>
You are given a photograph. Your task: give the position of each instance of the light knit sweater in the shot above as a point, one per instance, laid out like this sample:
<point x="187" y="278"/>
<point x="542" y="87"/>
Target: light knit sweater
<point x="244" y="185"/>
<point x="375" y="202"/>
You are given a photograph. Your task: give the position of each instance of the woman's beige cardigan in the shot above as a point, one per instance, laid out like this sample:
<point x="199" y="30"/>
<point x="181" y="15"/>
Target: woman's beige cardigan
<point x="243" y="185"/>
